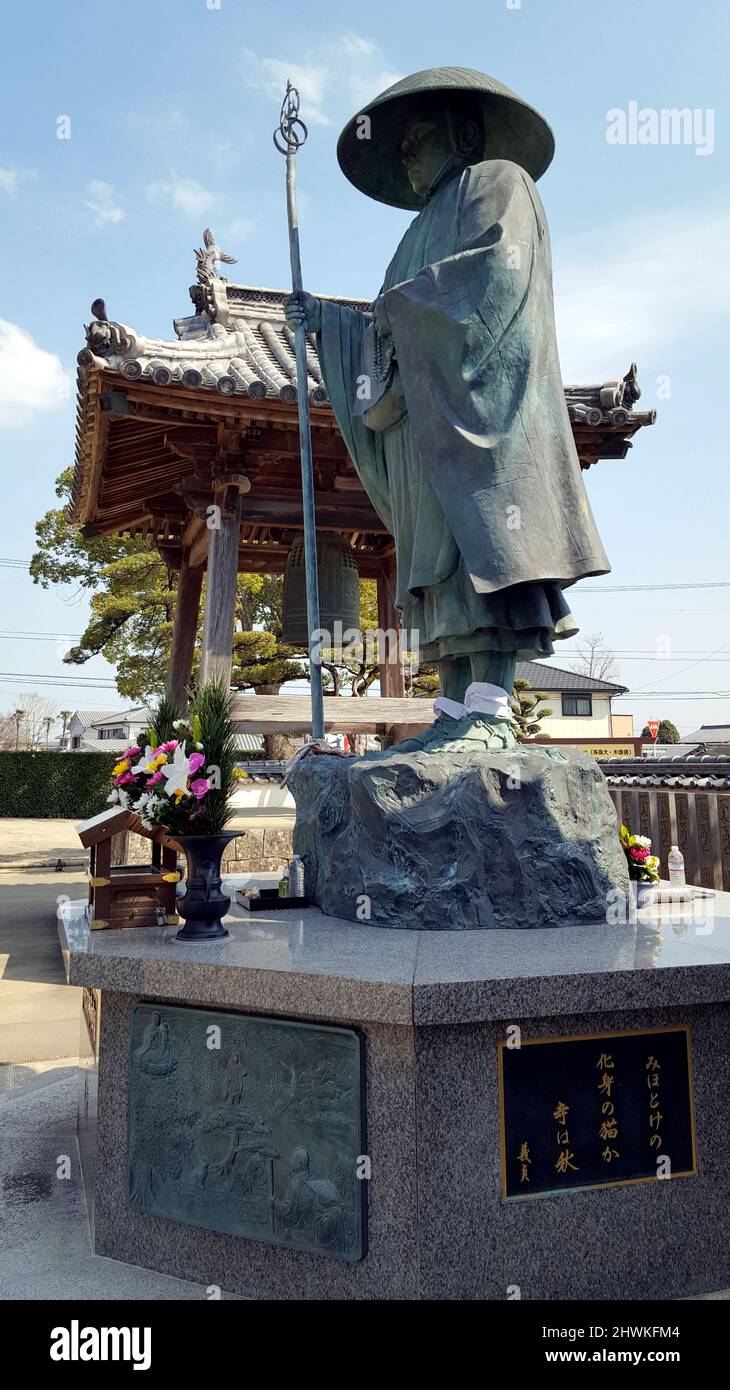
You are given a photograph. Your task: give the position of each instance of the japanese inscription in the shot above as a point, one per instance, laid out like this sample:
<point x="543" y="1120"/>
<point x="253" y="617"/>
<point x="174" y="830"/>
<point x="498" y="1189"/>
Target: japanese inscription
<point x="596" y="1111"/>
<point x="248" y="1125"/>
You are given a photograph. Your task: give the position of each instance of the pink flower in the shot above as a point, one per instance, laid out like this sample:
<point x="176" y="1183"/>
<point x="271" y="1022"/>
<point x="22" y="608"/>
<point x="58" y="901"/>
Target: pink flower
<point x="156" y="777"/>
<point x="199" y="787"/>
<point x="195" y="761"/>
<point x="132" y="752"/>
<point x="125" y="777"/>
<point x="638" y="853"/>
<point x="168" y="747"/>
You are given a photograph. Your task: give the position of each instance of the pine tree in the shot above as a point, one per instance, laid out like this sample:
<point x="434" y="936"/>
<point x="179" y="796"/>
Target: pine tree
<point x="527" y="719"/>
<point x="666" y="733"/>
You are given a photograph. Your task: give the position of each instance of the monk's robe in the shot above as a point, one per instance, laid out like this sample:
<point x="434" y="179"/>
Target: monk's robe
<point x="468" y="456"/>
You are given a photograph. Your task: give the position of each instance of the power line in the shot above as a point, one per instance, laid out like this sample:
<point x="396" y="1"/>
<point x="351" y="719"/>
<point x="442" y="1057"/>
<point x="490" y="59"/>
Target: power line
<point x="674" y="695"/>
<point x="9" y="562"/>
<point x="647" y="588"/>
<point x="78" y="682"/>
<point x="638" y="654"/>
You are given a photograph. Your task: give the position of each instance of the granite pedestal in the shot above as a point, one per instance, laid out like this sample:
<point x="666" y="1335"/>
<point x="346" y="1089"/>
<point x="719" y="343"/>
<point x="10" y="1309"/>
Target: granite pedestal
<point x="431" y="1009"/>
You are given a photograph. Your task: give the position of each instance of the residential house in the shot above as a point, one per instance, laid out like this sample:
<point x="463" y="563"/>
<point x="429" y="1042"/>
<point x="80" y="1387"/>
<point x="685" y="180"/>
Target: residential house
<point x="581" y="705"/>
<point x="105" y="730"/>
<point x="111" y="731"/>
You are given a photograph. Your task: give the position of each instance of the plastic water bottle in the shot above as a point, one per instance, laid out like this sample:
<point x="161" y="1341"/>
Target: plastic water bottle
<point x="296" y="877"/>
<point x="676" y="867"/>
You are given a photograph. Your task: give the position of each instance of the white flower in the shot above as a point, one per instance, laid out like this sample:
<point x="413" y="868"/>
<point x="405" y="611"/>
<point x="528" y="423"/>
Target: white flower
<point x="141" y="766"/>
<point x="123" y="798"/>
<point x="113" y="796"/>
<point x="177" y="772"/>
<point x="147" y="807"/>
<point x="643" y="841"/>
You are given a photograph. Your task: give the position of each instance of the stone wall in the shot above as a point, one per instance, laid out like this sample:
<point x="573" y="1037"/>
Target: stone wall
<point x="260" y="849"/>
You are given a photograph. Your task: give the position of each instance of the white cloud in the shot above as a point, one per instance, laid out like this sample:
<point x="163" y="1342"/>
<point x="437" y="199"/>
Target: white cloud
<point x="231" y="233"/>
<point x="31" y="379"/>
<point x="343" y="72"/>
<point x="11" y="178"/>
<point x="186" y="194"/>
<point x="101" y="199"/>
<point x="638" y="288"/>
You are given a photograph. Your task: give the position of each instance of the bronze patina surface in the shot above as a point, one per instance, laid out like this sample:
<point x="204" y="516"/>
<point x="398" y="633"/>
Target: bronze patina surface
<point x="247" y="1125"/>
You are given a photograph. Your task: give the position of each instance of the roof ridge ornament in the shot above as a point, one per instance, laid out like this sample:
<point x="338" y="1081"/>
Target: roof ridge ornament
<point x="104" y="336"/>
<point x="207" y="259"/>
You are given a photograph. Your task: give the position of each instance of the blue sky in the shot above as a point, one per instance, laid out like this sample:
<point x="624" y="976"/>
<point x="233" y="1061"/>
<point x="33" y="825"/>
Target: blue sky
<point x="171" y="109"/>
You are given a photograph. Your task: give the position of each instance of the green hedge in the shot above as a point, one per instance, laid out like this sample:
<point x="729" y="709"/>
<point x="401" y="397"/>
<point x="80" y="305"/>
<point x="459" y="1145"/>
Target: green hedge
<point x="64" y="786"/>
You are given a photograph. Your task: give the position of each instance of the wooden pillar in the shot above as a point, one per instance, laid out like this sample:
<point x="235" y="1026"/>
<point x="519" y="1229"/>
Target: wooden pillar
<point x="220" y="596"/>
<point x="391" y="667"/>
<point x="187" y="609"/>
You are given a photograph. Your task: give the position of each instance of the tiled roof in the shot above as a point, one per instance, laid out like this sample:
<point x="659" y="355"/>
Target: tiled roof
<point x="247" y="350"/>
<point x="556" y="678"/>
<point x="245" y="743"/>
<point x="239" y="344"/>
<point x="138" y="714"/>
<point x="249" y="743"/>
<point x="668" y="774"/>
<point x="709" y="733"/>
<point x="90" y="717"/>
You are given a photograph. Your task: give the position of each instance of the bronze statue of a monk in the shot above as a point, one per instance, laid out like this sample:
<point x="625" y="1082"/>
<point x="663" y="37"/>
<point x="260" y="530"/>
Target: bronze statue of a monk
<point x="449" y="397"/>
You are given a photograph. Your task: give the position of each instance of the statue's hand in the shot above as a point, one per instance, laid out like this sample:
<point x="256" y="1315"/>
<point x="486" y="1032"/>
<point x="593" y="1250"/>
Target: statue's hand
<point x="303" y="308"/>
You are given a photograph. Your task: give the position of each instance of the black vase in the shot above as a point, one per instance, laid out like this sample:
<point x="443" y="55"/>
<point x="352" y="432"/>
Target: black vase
<point x="203" y="904"/>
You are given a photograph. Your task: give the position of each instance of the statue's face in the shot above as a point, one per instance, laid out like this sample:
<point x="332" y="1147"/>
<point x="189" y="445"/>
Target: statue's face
<point x="425" y="147"/>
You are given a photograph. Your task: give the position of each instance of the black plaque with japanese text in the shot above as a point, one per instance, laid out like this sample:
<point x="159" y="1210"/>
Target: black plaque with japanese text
<point x="594" y="1111"/>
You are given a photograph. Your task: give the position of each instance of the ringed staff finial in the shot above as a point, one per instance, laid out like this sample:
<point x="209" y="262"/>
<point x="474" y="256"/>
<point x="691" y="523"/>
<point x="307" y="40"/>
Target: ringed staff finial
<point x="289" y="137"/>
<point x="291" y="132"/>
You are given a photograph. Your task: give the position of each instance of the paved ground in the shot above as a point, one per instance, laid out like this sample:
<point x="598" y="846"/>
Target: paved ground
<point x="44" y="1242"/>
<point x="35" y="841"/>
<point x="39" y="1012"/>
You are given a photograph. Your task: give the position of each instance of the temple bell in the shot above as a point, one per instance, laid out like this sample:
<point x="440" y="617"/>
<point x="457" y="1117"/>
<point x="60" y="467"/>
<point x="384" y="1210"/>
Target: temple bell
<point x="339" y="593"/>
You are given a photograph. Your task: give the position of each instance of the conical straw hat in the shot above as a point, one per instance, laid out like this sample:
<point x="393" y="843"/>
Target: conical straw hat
<point x="513" y="130"/>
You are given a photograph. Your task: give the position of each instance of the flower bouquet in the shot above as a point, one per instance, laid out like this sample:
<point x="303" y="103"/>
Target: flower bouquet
<point x="643" y="865"/>
<point x="182" y="783"/>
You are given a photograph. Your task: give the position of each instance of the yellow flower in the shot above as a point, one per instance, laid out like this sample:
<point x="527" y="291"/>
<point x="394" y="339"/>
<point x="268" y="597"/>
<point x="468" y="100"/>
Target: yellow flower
<point x="121" y="767"/>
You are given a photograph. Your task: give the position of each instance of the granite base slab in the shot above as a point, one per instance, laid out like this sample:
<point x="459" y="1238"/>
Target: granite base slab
<point x="438" y="1224"/>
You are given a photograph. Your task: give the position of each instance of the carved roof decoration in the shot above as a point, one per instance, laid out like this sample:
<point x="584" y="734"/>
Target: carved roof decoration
<point x="238" y="343"/>
<point x="161" y="421"/>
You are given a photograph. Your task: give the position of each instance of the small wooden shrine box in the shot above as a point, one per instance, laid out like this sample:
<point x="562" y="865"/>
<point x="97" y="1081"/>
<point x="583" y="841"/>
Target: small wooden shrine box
<point x="128" y="895"/>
